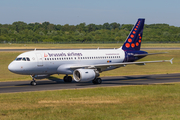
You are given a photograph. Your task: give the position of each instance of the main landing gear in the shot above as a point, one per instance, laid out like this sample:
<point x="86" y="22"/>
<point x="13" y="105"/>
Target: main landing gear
<point x="67" y="79"/>
<point x="97" y="81"/>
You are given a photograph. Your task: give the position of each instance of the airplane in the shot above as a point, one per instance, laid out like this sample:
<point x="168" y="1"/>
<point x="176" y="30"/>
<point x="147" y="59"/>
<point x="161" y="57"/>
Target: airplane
<point x="85" y="65"/>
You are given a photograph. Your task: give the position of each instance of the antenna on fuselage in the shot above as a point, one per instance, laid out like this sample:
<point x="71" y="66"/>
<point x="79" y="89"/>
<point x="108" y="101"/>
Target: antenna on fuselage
<point x="35" y="49"/>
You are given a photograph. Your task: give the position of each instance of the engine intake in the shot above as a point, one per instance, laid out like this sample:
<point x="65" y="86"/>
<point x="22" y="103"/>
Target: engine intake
<point x="85" y="75"/>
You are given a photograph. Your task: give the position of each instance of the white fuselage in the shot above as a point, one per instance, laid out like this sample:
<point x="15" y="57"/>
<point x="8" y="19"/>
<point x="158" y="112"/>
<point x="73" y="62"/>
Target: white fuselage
<point x="58" y="61"/>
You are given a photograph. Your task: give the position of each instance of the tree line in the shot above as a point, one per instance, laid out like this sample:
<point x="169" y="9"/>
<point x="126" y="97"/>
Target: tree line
<point x="21" y="32"/>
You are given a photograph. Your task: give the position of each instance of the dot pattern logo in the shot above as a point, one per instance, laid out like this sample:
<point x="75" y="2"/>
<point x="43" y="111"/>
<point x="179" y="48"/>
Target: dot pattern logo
<point x="127" y="45"/>
<point x="132" y="35"/>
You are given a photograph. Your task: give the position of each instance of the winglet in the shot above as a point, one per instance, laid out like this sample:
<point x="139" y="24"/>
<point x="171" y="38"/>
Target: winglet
<point x="171" y="61"/>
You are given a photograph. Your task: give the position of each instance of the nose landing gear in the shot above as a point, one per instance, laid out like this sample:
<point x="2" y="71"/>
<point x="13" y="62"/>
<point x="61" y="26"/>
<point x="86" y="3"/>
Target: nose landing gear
<point x="33" y="82"/>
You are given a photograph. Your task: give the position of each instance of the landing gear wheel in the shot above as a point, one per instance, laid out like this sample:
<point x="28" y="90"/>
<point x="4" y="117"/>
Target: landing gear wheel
<point x="33" y="83"/>
<point x="97" y="81"/>
<point x="67" y="79"/>
<point x="93" y="81"/>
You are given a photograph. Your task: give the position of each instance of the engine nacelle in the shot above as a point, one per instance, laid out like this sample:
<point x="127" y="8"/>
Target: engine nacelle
<point x="85" y="75"/>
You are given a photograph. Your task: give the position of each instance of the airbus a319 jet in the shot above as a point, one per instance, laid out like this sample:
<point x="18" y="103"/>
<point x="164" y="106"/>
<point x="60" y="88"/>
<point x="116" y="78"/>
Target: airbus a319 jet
<point x="85" y="65"/>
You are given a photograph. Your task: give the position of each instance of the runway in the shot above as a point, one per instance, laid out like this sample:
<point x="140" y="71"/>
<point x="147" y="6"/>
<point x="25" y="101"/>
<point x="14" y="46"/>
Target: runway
<point x="58" y="84"/>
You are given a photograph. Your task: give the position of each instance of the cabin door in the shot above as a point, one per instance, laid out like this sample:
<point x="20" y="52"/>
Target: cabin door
<point x="39" y="60"/>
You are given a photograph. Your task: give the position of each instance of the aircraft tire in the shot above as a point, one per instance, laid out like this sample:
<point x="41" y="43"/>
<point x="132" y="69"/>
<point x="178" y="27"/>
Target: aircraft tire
<point x="33" y="83"/>
<point x="97" y="81"/>
<point x="93" y="81"/>
<point x="67" y="79"/>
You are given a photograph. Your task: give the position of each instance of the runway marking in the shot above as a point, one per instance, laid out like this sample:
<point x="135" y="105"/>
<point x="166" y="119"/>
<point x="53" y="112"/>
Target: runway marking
<point x="166" y="77"/>
<point x="134" y="79"/>
<point x="14" y="86"/>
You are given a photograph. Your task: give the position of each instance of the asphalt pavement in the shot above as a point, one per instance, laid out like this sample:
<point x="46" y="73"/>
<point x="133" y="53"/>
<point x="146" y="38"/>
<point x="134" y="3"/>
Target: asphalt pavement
<point x="58" y="84"/>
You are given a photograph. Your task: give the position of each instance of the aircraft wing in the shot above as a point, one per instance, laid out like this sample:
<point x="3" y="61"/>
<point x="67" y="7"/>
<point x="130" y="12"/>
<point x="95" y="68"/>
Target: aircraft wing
<point x="118" y="64"/>
<point x="148" y="54"/>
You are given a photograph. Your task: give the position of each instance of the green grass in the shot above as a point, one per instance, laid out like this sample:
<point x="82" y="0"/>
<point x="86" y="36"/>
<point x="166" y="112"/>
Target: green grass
<point x="161" y="101"/>
<point x="64" y="46"/>
<point x="151" y="68"/>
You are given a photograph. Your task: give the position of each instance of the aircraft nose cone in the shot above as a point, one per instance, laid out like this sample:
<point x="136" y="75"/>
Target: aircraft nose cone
<point x="16" y="68"/>
<point x="11" y="67"/>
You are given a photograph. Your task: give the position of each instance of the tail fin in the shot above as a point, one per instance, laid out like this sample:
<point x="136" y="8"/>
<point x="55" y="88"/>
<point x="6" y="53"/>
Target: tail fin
<point x="133" y="41"/>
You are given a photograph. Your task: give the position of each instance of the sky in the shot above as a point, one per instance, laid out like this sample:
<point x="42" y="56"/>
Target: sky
<point x="74" y="12"/>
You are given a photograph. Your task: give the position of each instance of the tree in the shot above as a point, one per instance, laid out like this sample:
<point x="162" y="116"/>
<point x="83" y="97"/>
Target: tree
<point x="106" y="26"/>
<point x="91" y="27"/>
<point x="115" y="25"/>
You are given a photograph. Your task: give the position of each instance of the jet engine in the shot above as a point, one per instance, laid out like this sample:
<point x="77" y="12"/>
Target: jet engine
<point x="85" y="75"/>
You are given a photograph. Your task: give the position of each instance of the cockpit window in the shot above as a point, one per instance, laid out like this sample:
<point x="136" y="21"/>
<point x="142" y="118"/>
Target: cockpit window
<point x="22" y="59"/>
<point x="27" y="59"/>
<point x="18" y="59"/>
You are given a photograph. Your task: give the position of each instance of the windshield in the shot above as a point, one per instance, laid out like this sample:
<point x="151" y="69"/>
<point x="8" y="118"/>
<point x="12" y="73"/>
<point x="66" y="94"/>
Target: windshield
<point x="18" y="59"/>
<point x="22" y="59"/>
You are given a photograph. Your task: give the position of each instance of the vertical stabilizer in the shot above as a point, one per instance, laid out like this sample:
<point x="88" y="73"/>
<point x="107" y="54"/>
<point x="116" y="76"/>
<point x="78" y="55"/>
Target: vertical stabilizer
<point x="133" y="41"/>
